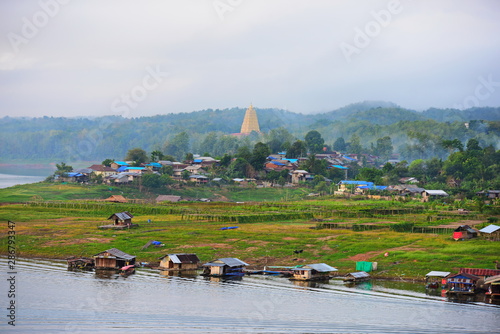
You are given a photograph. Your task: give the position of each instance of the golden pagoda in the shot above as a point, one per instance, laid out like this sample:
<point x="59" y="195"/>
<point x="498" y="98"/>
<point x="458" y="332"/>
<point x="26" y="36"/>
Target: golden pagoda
<point x="250" y="122"/>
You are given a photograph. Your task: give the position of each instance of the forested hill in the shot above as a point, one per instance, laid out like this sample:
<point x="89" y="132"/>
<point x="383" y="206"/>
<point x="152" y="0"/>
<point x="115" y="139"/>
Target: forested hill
<point x="112" y="136"/>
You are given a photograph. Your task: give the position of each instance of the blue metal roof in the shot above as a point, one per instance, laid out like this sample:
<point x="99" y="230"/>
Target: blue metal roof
<point x="277" y="163"/>
<point x="122" y="168"/>
<point x="366" y="183"/>
<point x="154" y="164"/>
<point x="123" y="163"/>
<point x="339" y="167"/>
<point x="292" y="160"/>
<point x="198" y="160"/>
<point x="135" y="168"/>
<point x="349" y="158"/>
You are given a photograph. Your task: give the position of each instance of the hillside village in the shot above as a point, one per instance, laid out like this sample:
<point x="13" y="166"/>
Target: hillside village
<point x="307" y="163"/>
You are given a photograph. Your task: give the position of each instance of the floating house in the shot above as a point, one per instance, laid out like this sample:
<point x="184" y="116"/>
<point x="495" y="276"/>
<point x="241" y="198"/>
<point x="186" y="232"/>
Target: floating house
<point x="113" y="259"/>
<point x="358" y="276"/>
<point x="461" y="284"/>
<point x="480" y="272"/>
<point x="311" y="272"/>
<point x="435" y="279"/>
<point x="464" y="232"/>
<point x="493" y="287"/>
<point x="181" y="261"/>
<point x="228" y="266"/>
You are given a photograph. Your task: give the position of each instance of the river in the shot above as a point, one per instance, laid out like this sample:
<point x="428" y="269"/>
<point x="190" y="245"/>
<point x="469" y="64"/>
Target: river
<point x="51" y="299"/>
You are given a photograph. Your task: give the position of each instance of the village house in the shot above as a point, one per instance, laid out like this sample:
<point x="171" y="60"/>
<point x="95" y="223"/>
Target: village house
<point x="491" y="232"/>
<point x="348" y="185"/>
<point x="103" y="170"/>
<point x="428" y="195"/>
<point x="489" y="194"/>
<point x="464" y="232"/>
<point x="181" y="261"/>
<point x="493" y="284"/>
<point x="198" y="179"/>
<point x="408" y="180"/>
<point x="311" y="272"/>
<point x="118" y="164"/>
<point x="123" y="178"/>
<point x="195" y="170"/>
<point x="224" y="267"/>
<point x="300" y="175"/>
<point x="358" y="276"/>
<point x="113" y="259"/>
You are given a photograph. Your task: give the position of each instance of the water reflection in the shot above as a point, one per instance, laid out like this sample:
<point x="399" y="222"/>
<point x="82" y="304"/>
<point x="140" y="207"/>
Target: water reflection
<point x="179" y="273"/>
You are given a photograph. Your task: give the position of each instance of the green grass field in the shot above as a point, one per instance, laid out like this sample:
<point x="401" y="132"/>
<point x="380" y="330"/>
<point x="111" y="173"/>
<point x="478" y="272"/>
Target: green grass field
<point x="268" y="231"/>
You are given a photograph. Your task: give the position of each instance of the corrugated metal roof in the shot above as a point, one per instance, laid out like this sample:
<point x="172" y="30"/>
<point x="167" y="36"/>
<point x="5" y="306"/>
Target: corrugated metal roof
<point x="490" y="229"/>
<point x="480" y="271"/>
<point x="437" y="192"/>
<point x="359" y="274"/>
<point x="437" y="274"/>
<point x="321" y="267"/>
<point x="340" y="167"/>
<point x="118" y="254"/>
<point x="122" y="215"/>
<point x="492" y="279"/>
<point x="183" y="258"/>
<point x="229" y="261"/>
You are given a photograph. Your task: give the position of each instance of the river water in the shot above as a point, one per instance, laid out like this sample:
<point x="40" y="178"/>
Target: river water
<point x="51" y="299"/>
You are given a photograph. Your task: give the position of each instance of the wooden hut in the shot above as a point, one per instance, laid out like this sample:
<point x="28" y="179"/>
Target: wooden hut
<point x="461" y="284"/>
<point x="121" y="220"/>
<point x="490" y="232"/>
<point x="464" y="232"/>
<point x="311" y="272"/>
<point x="359" y="276"/>
<point x="116" y="199"/>
<point x="113" y="259"/>
<point x="179" y="262"/>
<point x="224" y="267"/>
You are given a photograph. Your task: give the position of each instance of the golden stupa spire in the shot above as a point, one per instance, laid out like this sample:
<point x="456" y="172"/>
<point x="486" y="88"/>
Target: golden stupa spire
<point x="250" y="122"/>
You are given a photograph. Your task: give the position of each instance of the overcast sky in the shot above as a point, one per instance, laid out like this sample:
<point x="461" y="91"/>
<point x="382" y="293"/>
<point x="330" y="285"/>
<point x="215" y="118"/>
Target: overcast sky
<point x="141" y="58"/>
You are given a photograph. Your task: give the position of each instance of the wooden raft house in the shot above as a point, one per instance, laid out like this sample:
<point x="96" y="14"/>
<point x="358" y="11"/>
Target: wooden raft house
<point x="493" y="287"/>
<point x="461" y="284"/>
<point x="358" y="276"/>
<point x="179" y="262"/>
<point x="113" y="259"/>
<point x="121" y="220"/>
<point x="435" y="279"/>
<point x="228" y="266"/>
<point x="312" y="272"/>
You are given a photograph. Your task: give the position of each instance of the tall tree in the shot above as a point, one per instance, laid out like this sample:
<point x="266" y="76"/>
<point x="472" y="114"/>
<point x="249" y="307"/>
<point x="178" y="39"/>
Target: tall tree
<point x="178" y="146"/>
<point x="259" y="156"/>
<point x="297" y="150"/>
<point x="62" y="169"/>
<point x="340" y="145"/>
<point x="314" y="141"/>
<point x="355" y="144"/>
<point x="138" y="155"/>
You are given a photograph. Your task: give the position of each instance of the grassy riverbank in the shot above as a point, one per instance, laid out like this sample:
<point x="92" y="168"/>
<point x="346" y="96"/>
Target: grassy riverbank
<point x="268" y="233"/>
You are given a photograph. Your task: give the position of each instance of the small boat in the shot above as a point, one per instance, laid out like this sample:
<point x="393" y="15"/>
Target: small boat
<point x="128" y="268"/>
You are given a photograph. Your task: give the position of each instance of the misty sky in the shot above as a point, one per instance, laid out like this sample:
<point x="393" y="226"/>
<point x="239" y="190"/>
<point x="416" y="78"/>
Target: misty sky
<point x="141" y="58"/>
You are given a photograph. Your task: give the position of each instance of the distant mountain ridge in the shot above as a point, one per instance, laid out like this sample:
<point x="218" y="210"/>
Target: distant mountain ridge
<point x="111" y="136"/>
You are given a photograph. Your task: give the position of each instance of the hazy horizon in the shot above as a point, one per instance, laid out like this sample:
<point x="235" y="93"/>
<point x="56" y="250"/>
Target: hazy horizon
<point x="132" y="59"/>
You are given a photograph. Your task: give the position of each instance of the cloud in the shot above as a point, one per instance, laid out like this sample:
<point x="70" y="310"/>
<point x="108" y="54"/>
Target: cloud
<point x="272" y="53"/>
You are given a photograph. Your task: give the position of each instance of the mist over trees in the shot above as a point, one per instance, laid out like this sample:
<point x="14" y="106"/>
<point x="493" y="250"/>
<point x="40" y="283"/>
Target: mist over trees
<point x="378" y="128"/>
